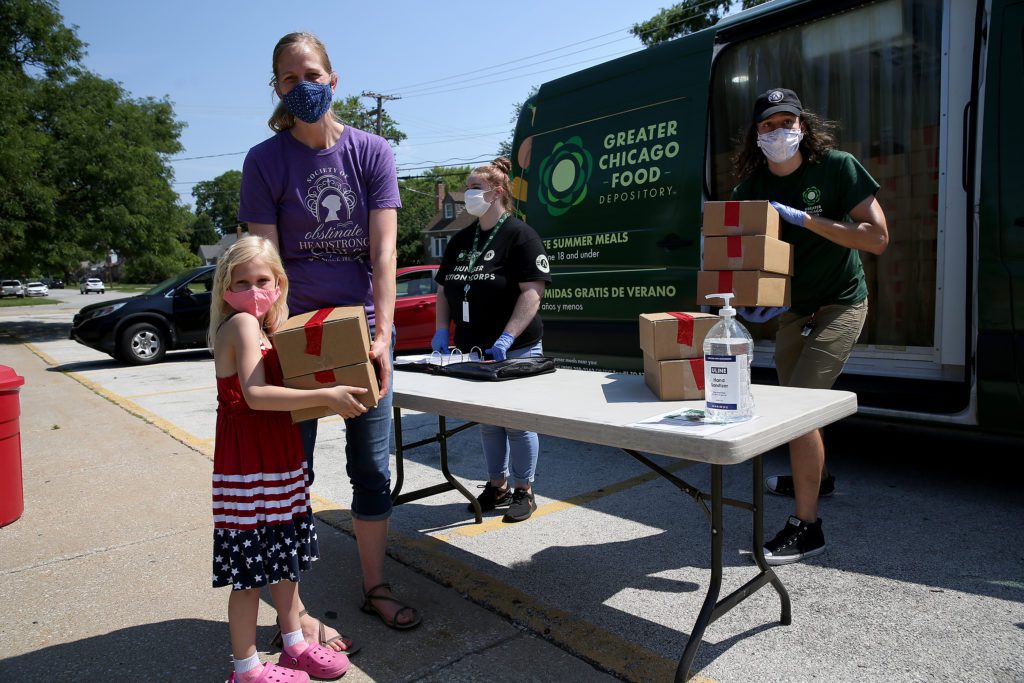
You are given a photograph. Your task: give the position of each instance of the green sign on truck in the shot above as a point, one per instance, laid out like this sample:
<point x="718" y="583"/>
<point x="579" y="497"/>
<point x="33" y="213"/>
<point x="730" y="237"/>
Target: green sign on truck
<point x="612" y="165"/>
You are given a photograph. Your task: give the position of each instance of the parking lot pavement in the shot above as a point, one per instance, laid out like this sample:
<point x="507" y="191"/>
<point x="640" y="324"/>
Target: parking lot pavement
<point x="924" y="579"/>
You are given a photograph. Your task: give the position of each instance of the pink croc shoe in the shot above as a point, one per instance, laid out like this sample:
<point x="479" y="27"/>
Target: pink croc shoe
<point x="317" y="661"/>
<point x="277" y="674"/>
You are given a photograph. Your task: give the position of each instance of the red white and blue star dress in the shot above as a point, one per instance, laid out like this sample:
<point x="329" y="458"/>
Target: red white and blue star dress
<point x="263" y="529"/>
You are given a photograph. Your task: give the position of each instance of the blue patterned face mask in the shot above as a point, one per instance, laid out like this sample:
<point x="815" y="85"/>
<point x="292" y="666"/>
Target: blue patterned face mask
<point x="308" y="101"/>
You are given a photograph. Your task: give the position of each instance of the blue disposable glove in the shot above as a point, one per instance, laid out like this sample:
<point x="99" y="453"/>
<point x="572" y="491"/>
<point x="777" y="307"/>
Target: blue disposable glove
<point x="497" y="352"/>
<point x="440" y="341"/>
<point x="761" y="314"/>
<point x="790" y="215"/>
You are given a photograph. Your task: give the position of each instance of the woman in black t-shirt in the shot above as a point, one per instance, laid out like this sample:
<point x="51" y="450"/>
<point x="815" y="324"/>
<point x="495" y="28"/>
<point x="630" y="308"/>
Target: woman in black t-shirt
<point x="492" y="279"/>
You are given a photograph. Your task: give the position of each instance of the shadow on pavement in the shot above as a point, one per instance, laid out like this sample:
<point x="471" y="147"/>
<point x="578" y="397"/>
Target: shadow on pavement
<point x="180" y="649"/>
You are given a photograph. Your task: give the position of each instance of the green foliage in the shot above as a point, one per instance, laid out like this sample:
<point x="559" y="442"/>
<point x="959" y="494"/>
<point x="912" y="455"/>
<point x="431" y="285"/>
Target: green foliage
<point x="84" y="165"/>
<point x="685" y="17"/>
<point x="505" y="147"/>
<point x="32" y="35"/>
<point x="201" y="231"/>
<point x="350" y="110"/>
<point x="419" y="206"/>
<point x="218" y="199"/>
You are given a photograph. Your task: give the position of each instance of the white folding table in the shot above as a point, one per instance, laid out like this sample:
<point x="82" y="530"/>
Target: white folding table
<point x="603" y="409"/>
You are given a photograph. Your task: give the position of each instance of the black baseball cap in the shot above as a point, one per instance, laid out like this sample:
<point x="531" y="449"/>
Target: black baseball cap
<point x="773" y="101"/>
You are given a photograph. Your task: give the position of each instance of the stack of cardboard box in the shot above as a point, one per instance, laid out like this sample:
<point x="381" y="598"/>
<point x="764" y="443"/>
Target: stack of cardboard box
<point x="744" y="255"/>
<point x="673" y="346"/>
<point x="326" y="348"/>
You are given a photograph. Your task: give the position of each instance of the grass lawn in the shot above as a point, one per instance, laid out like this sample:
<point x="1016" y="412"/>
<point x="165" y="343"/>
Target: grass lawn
<point x="129" y="288"/>
<point x="28" y="301"/>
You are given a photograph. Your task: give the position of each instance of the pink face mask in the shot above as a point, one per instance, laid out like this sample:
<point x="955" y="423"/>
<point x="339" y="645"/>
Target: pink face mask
<point x="254" y="301"/>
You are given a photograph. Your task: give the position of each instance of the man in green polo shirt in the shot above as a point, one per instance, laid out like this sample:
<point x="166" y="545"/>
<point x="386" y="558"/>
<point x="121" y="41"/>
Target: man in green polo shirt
<point x="827" y="202"/>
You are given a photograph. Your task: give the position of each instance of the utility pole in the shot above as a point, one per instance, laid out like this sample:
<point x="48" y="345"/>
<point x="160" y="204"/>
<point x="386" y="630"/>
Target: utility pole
<point x="380" y="108"/>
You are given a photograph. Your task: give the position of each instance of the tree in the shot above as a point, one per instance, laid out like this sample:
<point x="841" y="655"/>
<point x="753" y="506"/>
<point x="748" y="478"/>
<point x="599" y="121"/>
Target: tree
<point x="85" y="166"/>
<point x="32" y="36"/>
<point x="350" y="110"/>
<point x="419" y="206"/>
<point x="202" y="231"/>
<point x="218" y="199"/>
<point x="505" y="148"/>
<point x="685" y="17"/>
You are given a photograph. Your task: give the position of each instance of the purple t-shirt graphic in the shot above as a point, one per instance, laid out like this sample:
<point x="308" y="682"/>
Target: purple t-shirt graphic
<point x="320" y="202"/>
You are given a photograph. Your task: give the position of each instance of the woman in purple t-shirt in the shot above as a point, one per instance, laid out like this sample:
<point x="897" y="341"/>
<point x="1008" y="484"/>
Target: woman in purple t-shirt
<point x="327" y="195"/>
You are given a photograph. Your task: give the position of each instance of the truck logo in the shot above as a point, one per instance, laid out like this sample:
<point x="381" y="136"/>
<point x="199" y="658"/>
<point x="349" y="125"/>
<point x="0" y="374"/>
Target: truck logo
<point x="563" y="176"/>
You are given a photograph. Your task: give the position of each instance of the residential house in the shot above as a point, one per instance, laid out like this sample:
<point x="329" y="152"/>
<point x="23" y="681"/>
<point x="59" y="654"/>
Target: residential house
<point x="451" y="217"/>
<point x="209" y="253"/>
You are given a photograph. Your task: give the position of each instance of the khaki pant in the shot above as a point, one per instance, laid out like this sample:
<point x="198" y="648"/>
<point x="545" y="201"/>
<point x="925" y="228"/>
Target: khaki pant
<point x="815" y="361"/>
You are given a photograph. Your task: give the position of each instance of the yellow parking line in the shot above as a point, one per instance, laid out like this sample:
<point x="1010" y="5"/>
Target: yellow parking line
<point x="204" y="446"/>
<point x="173" y="391"/>
<point x="496" y="523"/>
<point x="607" y="650"/>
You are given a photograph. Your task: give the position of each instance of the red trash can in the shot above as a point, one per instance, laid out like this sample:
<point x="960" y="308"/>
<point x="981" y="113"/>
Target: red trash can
<point x="12" y="497"/>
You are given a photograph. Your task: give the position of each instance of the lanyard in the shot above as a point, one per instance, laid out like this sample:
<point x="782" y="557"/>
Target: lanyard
<point x="475" y="254"/>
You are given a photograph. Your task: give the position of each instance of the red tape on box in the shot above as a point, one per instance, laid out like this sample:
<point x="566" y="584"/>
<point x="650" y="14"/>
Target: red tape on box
<point x="732" y="214"/>
<point x="324" y="377"/>
<point x="724" y="281"/>
<point x="314" y="329"/>
<point x="697" y="368"/>
<point x="734" y="247"/>
<point x="684" y="328"/>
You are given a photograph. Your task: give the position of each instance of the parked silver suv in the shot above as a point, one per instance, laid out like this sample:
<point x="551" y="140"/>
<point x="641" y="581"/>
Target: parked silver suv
<point x="11" y="288"/>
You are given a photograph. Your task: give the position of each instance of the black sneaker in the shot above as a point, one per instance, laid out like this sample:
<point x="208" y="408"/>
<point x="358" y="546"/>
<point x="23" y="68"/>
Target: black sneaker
<point x="782" y="485"/>
<point x="797" y="540"/>
<point x="522" y="506"/>
<point x="492" y="497"/>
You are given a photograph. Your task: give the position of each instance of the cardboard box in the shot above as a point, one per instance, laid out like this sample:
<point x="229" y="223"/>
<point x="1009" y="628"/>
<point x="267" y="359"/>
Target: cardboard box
<point x="321" y="340"/>
<point x="751" y="287"/>
<point x="753" y="252"/>
<point x="740" y="218"/>
<point x="675" y="380"/>
<point x="668" y="336"/>
<point x="358" y="375"/>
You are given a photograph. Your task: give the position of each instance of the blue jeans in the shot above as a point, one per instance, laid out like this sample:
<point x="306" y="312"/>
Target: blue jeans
<point x="367" y="455"/>
<point x="515" y="447"/>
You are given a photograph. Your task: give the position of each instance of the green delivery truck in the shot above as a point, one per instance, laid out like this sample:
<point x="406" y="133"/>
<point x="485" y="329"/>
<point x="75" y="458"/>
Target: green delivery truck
<point x="612" y="165"/>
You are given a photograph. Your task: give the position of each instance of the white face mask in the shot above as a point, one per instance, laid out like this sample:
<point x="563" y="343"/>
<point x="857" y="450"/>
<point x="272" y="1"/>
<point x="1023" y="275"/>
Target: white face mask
<point x="475" y="202"/>
<point x="781" y="144"/>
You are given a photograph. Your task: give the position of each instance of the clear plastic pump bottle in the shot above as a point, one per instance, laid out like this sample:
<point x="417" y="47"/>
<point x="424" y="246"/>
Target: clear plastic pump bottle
<point x="728" y="356"/>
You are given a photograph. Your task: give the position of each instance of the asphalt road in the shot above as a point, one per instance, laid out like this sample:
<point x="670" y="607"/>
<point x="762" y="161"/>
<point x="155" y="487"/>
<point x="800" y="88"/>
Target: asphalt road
<point x="924" y="578"/>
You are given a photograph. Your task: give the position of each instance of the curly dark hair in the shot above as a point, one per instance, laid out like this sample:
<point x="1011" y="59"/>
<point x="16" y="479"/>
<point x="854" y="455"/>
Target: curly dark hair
<point x="819" y="138"/>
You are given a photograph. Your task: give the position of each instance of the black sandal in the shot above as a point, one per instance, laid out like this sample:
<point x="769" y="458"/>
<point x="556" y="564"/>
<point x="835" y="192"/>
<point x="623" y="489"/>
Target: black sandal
<point x="370" y="608"/>
<point x="350" y="648"/>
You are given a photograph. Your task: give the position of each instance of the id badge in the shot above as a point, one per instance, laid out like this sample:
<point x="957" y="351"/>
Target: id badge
<point x="465" y="311"/>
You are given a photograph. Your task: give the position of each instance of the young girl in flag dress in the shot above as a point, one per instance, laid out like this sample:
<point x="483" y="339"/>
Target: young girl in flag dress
<point x="264" y="533"/>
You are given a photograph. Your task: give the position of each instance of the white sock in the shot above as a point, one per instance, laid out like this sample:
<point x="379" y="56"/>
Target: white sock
<point x="293" y="638"/>
<point x="247" y="664"/>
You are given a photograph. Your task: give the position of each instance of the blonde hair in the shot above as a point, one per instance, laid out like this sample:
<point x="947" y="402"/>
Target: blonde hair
<point x="496" y="175"/>
<point x="282" y="119"/>
<point x="243" y="251"/>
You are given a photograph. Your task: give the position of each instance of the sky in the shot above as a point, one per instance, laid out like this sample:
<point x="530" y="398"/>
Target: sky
<point x="458" y="68"/>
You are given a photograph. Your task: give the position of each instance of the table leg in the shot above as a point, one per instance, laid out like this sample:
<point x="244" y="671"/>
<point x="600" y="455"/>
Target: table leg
<point x="708" y="608"/>
<point x="758" y="550"/>
<point x="450" y="483"/>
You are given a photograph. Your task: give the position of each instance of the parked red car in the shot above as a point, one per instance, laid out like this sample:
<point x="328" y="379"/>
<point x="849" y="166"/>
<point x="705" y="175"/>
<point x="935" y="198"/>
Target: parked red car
<point x="415" y="307"/>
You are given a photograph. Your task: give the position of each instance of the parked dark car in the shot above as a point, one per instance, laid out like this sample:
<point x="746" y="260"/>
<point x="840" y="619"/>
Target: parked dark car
<point x="175" y="314"/>
<point x="140" y="330"/>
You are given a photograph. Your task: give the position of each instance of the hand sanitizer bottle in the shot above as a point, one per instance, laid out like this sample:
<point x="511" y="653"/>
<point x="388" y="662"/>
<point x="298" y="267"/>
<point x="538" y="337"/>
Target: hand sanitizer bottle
<point x="728" y="355"/>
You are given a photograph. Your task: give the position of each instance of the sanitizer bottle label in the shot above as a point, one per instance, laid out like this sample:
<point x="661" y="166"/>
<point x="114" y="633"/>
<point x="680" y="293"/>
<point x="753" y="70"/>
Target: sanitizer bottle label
<point x="722" y="383"/>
